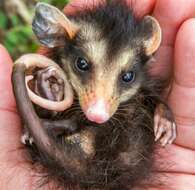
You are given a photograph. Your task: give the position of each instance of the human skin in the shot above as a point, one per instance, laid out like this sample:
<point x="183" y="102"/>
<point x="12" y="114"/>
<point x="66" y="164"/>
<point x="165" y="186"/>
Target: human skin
<point x="175" y="60"/>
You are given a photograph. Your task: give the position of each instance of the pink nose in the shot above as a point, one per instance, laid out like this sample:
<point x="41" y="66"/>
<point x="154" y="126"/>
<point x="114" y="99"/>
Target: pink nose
<point x="98" y="112"/>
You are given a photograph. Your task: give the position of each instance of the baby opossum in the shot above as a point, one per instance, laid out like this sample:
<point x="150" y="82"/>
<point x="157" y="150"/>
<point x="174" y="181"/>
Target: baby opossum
<point x="106" y="139"/>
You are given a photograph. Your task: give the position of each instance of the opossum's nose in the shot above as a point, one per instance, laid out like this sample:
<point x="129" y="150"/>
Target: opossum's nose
<point x="97" y="111"/>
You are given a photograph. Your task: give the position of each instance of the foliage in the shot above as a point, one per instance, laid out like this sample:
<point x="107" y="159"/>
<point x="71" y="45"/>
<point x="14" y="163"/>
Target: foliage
<point x="15" y="32"/>
<point x="57" y="3"/>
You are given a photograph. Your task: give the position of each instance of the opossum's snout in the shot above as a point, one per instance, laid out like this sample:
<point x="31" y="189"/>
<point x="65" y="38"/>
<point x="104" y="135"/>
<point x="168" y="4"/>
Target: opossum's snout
<point x="99" y="104"/>
<point x="98" y="111"/>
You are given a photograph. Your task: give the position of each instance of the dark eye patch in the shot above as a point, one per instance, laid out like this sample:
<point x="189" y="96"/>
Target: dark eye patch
<point x="82" y="65"/>
<point x="128" y="77"/>
<point x="78" y="63"/>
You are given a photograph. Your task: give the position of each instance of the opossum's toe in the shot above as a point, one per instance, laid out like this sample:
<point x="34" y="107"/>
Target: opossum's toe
<point x="164" y="126"/>
<point x="31" y="141"/>
<point x="166" y="133"/>
<point x="27" y="139"/>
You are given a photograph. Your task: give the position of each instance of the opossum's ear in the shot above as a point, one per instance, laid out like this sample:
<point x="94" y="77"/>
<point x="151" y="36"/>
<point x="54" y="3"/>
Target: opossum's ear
<point x="154" y="34"/>
<point x="51" y="26"/>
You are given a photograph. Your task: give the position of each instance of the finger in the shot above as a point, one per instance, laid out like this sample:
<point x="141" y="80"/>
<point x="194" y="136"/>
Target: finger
<point x="184" y="55"/>
<point x="175" y="159"/>
<point x="182" y="96"/>
<point x="174" y="181"/>
<point x="180" y="181"/>
<point x="10" y="132"/>
<point x="170" y="14"/>
<point x="141" y="7"/>
<point x="7" y="100"/>
<point x="76" y="6"/>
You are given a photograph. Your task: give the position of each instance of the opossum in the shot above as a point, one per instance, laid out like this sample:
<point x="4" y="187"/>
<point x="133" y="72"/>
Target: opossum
<point x="102" y="111"/>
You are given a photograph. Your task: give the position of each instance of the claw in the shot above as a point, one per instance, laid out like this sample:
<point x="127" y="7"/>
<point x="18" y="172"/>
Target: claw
<point x="26" y="139"/>
<point x="164" y="128"/>
<point x="31" y="141"/>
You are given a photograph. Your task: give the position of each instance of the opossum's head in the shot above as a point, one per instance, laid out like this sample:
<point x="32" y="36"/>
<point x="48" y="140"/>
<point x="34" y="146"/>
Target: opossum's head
<point x="103" y="52"/>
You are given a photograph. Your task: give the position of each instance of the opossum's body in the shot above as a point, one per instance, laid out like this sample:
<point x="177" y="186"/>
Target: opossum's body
<point x="117" y="153"/>
<point x="124" y="147"/>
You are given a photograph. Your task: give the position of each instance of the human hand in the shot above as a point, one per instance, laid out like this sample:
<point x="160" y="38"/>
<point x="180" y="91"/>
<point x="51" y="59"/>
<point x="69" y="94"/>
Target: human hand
<point x="14" y="172"/>
<point x="177" y="51"/>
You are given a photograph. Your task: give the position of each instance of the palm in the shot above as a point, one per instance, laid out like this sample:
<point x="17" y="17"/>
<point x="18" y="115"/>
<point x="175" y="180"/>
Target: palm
<point x="16" y="173"/>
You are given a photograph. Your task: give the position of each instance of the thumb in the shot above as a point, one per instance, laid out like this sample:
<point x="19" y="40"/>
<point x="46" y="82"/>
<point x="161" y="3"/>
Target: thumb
<point x="183" y="92"/>
<point x="9" y="120"/>
<point x="7" y="101"/>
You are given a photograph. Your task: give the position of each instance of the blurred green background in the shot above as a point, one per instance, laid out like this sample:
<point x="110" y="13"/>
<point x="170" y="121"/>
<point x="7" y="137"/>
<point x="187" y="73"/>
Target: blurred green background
<point x="15" y="25"/>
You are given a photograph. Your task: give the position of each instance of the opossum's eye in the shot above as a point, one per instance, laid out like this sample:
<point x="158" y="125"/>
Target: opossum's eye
<point x="128" y="77"/>
<point x="82" y="64"/>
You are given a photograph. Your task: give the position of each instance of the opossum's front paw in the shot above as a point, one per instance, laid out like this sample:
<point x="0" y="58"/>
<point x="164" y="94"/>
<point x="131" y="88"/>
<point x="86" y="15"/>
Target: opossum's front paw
<point x="58" y="127"/>
<point x="164" y="125"/>
<point x="27" y="139"/>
